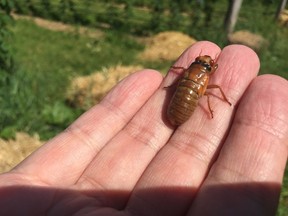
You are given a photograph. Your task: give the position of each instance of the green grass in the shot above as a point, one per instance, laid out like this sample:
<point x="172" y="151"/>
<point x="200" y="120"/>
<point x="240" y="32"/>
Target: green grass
<point x="194" y="20"/>
<point x="47" y="61"/>
<point x="261" y="21"/>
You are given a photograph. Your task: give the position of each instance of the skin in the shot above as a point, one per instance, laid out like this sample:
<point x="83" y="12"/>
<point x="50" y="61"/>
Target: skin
<point x="122" y="157"/>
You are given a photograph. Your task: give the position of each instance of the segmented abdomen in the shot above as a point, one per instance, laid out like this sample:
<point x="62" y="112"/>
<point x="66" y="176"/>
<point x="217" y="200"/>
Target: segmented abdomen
<point x="183" y="102"/>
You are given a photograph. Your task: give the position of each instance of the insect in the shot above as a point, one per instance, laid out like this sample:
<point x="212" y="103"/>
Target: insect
<point x="191" y="87"/>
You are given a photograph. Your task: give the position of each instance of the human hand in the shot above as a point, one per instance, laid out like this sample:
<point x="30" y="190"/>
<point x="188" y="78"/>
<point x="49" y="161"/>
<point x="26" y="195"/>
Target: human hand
<point x="123" y="158"/>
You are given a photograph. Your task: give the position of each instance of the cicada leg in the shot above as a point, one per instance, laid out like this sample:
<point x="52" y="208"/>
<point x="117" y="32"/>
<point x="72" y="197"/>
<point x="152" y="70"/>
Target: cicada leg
<point x="209" y="106"/>
<point x="208" y="98"/>
<point x="179" y="77"/>
<point x="222" y="93"/>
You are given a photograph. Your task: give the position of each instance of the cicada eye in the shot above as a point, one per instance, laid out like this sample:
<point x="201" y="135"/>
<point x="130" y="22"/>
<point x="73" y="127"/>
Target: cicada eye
<point x="198" y="60"/>
<point x="207" y="66"/>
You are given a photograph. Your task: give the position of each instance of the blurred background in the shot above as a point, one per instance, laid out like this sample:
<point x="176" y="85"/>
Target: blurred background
<point x="59" y="57"/>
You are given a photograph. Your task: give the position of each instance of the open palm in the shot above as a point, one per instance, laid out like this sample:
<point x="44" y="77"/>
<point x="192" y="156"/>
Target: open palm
<point x="122" y="157"/>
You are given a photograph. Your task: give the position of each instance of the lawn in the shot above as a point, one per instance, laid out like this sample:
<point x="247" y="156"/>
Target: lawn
<point x="47" y="61"/>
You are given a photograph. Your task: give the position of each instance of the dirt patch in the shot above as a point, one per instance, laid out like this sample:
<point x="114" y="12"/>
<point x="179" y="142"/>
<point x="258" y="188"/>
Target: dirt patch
<point x="15" y="150"/>
<point x="283" y="18"/>
<point x="59" y="26"/>
<point x="249" y="39"/>
<point x="166" y="46"/>
<point x="86" y="91"/>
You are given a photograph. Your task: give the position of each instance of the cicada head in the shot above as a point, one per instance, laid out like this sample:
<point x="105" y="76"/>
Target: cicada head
<point x="207" y="62"/>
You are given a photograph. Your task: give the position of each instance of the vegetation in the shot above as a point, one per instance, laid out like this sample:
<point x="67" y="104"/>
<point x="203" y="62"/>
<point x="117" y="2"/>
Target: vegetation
<point x="34" y="98"/>
<point x="201" y="19"/>
<point x="45" y="70"/>
<point x="6" y="60"/>
<point x="6" y="63"/>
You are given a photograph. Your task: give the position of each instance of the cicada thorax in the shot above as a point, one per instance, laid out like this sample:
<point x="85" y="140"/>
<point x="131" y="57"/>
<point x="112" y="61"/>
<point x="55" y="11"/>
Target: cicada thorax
<point x="190" y="89"/>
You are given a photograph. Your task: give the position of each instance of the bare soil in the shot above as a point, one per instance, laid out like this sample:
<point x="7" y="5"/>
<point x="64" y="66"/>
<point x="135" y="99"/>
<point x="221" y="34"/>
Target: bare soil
<point x="59" y="26"/>
<point x="166" y="46"/>
<point x="249" y="39"/>
<point x="283" y="18"/>
<point x="86" y="91"/>
<point x="13" y="151"/>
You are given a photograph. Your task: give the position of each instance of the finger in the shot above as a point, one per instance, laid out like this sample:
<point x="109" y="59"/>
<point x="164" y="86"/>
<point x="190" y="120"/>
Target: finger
<point x="63" y="159"/>
<point x="246" y="178"/>
<point x="121" y="163"/>
<point x="183" y="163"/>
